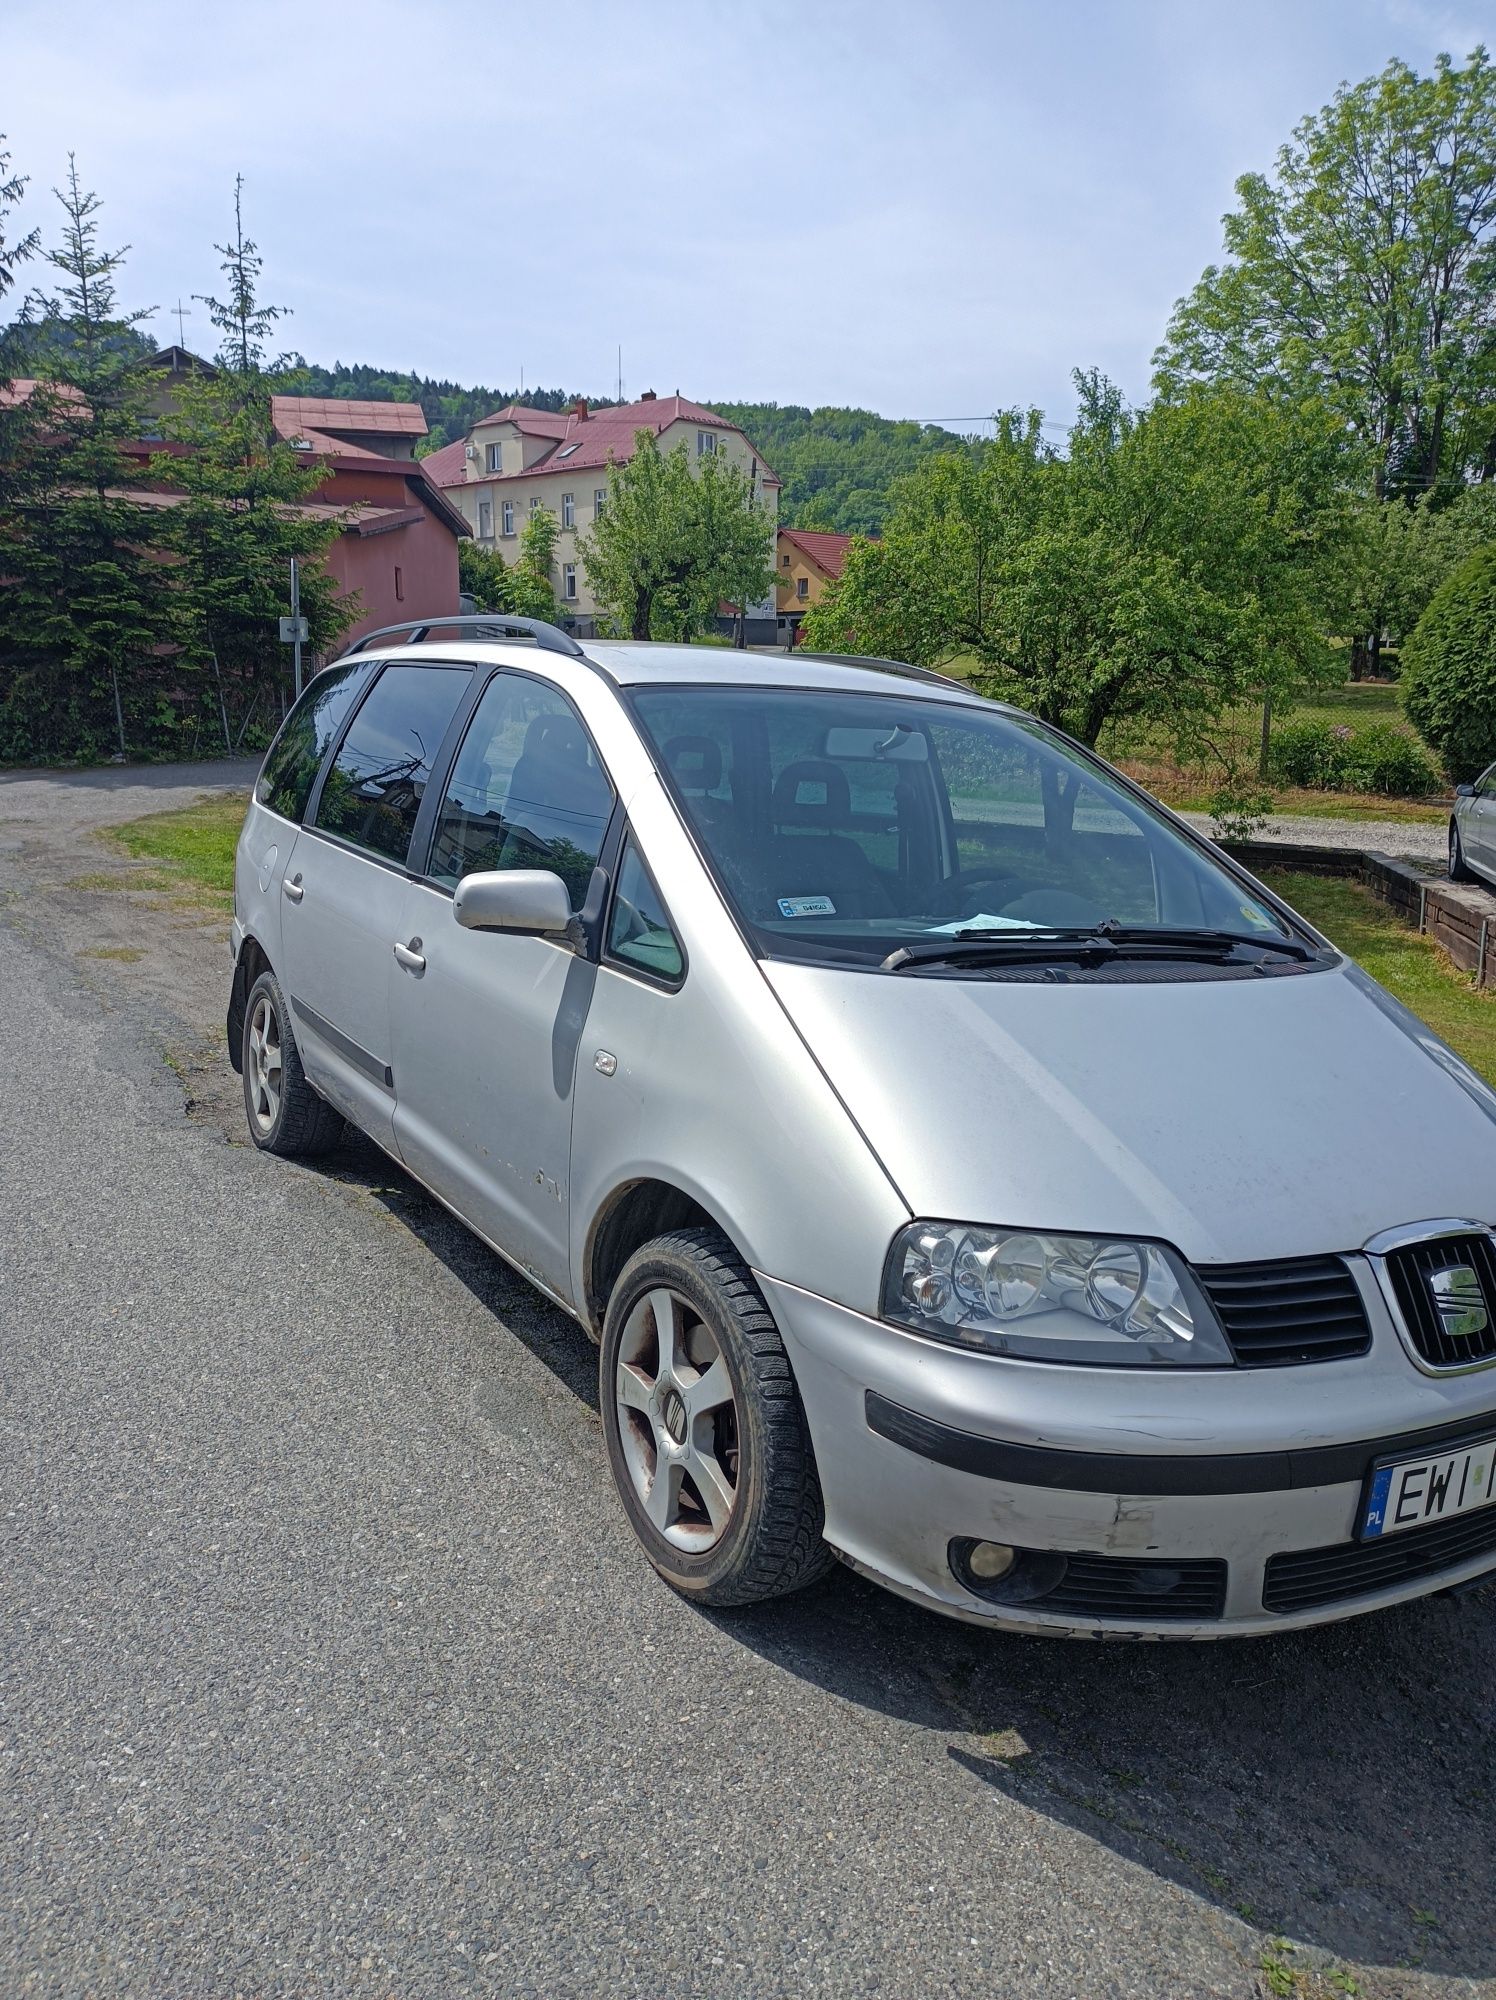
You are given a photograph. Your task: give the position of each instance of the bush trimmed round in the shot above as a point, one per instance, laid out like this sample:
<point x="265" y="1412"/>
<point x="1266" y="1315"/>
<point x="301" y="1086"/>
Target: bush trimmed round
<point x="1449" y="669"/>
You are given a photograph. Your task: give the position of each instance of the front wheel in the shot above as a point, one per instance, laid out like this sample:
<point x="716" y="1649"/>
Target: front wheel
<point x="286" y="1115"/>
<point x="1458" y="872"/>
<point x="706" y="1436"/>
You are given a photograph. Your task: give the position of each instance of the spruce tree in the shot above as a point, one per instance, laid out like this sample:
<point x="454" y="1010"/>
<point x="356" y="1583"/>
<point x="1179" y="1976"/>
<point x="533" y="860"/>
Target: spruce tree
<point x="248" y="506"/>
<point x="86" y="620"/>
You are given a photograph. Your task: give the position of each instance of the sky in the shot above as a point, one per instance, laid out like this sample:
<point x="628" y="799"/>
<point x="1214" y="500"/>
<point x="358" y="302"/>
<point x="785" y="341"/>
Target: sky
<point x="929" y="208"/>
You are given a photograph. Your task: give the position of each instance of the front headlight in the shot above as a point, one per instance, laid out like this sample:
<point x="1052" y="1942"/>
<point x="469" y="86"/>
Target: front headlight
<point x="1050" y="1298"/>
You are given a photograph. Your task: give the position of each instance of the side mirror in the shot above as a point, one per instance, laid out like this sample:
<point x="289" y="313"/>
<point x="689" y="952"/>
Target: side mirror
<point x="1464" y="791"/>
<point x="532" y="900"/>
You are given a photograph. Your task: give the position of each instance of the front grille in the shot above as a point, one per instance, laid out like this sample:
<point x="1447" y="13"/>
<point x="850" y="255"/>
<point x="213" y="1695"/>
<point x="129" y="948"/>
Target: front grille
<point x="1296" y="1309"/>
<point x="1306" y="1578"/>
<point x="1118" y="1587"/>
<point x="1411" y="1269"/>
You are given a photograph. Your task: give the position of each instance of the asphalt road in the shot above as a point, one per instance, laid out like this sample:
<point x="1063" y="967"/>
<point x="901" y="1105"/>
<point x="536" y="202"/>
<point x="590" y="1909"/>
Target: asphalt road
<point x="327" y="1663"/>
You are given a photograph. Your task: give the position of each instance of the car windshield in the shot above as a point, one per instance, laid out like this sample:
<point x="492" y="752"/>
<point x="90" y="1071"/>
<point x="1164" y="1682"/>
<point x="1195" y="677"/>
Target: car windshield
<point x="845" y="826"/>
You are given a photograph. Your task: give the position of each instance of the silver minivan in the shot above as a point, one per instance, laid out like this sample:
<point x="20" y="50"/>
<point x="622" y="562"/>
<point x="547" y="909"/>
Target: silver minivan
<point x="966" y="1170"/>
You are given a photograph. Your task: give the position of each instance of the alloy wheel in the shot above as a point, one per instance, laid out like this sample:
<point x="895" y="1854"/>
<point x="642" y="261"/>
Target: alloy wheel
<point x="264" y="1063"/>
<point x="678" y="1421"/>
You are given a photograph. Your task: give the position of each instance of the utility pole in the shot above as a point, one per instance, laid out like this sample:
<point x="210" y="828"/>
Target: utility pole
<point x="182" y="317"/>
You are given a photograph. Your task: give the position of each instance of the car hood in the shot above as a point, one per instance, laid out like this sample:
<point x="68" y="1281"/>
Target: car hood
<point x="1236" y="1119"/>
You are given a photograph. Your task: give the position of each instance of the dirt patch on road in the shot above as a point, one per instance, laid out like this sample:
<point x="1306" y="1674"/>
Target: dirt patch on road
<point x="144" y="940"/>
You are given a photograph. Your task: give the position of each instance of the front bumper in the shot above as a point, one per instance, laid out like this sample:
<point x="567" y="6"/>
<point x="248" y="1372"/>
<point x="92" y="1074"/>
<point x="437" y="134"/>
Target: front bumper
<point x="919" y="1444"/>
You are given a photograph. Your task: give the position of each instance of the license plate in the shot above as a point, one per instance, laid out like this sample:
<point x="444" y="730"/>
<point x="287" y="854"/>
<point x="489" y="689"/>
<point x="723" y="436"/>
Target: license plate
<point x="1410" y="1492"/>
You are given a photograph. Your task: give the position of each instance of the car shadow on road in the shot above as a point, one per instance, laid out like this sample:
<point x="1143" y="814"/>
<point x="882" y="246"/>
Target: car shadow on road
<point x="1336" y="1786"/>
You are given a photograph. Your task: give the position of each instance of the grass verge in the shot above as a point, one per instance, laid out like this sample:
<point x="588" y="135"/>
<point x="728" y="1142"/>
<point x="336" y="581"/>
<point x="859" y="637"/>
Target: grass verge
<point x="1413" y="968"/>
<point x="196" y="842"/>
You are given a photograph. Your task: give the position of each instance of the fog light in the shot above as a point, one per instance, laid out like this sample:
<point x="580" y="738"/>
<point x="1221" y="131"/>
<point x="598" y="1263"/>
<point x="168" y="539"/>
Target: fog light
<point x="990" y="1560"/>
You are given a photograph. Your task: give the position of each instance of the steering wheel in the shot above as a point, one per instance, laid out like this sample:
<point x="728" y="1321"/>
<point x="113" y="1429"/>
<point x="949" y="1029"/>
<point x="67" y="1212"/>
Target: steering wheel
<point x="951" y="895"/>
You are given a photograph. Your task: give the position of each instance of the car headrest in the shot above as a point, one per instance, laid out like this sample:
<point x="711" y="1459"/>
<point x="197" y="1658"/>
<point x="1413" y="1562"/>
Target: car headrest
<point x="811" y="792"/>
<point x="695" y="763"/>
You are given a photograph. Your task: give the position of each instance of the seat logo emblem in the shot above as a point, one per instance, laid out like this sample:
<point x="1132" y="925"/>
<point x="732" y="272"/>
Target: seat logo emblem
<point x="1459" y="1301"/>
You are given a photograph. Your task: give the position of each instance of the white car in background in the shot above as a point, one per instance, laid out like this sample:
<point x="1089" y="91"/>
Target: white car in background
<point x="1472" y="830"/>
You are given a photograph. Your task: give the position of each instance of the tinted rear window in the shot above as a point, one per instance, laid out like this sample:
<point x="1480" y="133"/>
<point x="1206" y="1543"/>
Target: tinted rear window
<point x="378" y="779"/>
<point x="295" y="757"/>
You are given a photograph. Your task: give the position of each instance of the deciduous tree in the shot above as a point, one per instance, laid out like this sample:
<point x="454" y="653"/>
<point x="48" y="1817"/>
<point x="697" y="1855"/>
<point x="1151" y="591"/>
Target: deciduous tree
<point x="673" y="544"/>
<point x="1361" y="271"/>
<point x="1167" y="564"/>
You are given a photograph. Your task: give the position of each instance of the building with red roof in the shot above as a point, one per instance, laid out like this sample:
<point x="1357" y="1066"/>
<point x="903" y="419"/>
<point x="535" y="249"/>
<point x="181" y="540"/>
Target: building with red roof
<point x="519" y="459"/>
<point x="805" y="561"/>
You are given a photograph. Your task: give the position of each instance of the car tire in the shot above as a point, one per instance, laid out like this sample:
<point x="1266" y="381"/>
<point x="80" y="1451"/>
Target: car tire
<point x="285" y="1114"/>
<point x="1458" y="872"/>
<point x="707" y="1439"/>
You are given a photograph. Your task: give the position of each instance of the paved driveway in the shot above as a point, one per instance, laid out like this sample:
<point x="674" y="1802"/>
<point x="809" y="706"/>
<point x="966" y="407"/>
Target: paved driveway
<point x="327" y="1664"/>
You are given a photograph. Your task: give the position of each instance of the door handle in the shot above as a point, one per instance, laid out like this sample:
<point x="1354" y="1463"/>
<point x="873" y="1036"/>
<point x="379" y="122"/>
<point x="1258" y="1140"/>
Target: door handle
<point x="410" y="956"/>
<point x="291" y="887"/>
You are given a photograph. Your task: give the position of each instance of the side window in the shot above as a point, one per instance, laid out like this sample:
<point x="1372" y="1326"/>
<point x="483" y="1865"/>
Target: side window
<point x="639" y="930"/>
<point x="378" y="778"/>
<point x="295" y="757"/>
<point x="527" y="790"/>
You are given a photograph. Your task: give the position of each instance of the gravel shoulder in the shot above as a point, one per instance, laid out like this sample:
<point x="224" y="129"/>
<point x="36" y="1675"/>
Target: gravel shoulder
<point x="1410" y="840"/>
<point x="328" y="1666"/>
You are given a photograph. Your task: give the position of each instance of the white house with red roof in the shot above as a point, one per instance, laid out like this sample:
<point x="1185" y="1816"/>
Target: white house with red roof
<point x="521" y="459"/>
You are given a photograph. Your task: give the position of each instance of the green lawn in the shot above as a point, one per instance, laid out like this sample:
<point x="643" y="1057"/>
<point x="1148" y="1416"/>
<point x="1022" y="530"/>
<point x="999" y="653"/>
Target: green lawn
<point x="196" y="841"/>
<point x="1411" y="967"/>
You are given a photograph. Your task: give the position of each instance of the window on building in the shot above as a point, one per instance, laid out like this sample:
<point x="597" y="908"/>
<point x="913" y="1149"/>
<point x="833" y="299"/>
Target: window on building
<point x="706" y="444"/>
<point x="508" y="517"/>
<point x="568" y="510"/>
<point x="534" y="503"/>
<point x="784" y="562"/>
<point x="598" y="498"/>
<point x="569" y="580"/>
<point x="485" y="520"/>
<point x="802" y="586"/>
<point x="399" y="584"/>
<point x="496" y="458"/>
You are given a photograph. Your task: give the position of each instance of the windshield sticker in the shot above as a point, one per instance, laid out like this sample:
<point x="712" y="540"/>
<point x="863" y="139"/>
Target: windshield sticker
<point x="806" y="906"/>
<point x="1255" y="914"/>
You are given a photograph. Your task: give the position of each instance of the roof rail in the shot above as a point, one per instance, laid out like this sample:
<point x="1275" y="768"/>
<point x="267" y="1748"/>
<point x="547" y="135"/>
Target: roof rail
<point x="880" y="665"/>
<point x="500" y="623"/>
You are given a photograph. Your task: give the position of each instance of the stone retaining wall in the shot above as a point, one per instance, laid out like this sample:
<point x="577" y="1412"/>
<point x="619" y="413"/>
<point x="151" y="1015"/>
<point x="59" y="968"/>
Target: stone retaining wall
<point x="1457" y="915"/>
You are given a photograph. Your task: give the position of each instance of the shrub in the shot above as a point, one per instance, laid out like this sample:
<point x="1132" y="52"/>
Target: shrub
<point x="1449" y="669"/>
<point x="1313" y="754"/>
<point x="1385" y="759"/>
<point x="1327" y="757"/>
<point x="1238" y="810"/>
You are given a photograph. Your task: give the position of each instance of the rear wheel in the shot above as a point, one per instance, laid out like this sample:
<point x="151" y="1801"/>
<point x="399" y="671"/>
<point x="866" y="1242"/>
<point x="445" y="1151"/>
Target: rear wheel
<point x="286" y="1115"/>
<point x="706" y="1436"/>
<point x="1458" y="872"/>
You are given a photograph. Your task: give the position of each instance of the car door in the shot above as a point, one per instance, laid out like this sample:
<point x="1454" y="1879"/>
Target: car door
<point x="344" y="888"/>
<point x="484" y="1025"/>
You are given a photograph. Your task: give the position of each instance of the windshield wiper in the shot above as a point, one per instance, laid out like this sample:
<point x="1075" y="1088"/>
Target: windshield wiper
<point x="1098" y="945"/>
